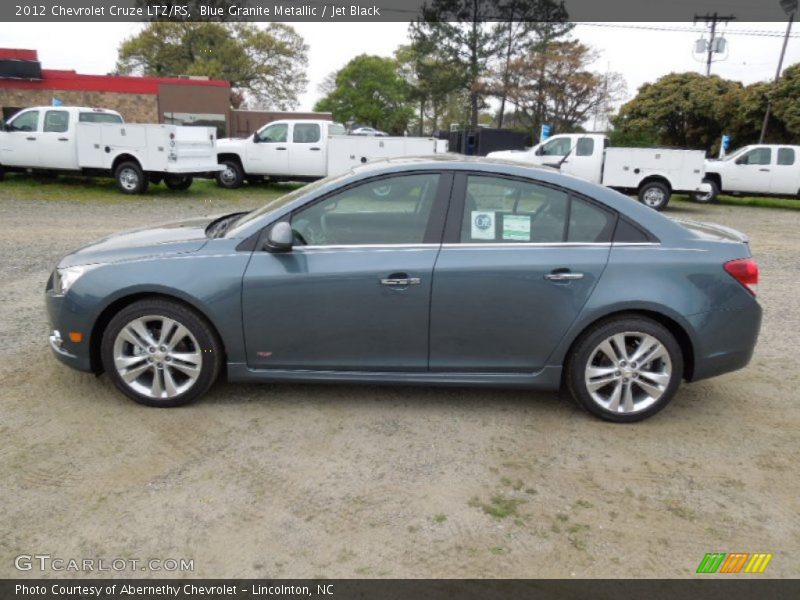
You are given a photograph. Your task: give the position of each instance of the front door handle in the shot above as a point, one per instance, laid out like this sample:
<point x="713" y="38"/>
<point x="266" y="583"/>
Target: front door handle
<point x="563" y="276"/>
<point x="315" y="149"/>
<point x="31" y="139"/>
<point x="280" y="148"/>
<point x="400" y="281"/>
<point x="764" y="170"/>
<point x="63" y="139"/>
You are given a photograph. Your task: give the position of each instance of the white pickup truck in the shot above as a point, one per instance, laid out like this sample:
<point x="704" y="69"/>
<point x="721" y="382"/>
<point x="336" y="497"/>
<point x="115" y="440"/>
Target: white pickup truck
<point x="652" y="173"/>
<point x="306" y="149"/>
<point x="95" y="141"/>
<point x="760" y="170"/>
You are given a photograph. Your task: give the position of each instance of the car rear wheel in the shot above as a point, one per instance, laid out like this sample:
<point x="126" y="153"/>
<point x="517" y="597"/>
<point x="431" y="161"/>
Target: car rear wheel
<point x="232" y="176"/>
<point x="178" y="183"/>
<point x="654" y="194"/>
<point x="130" y="178"/>
<point x="2" y="173"/>
<point x="160" y="353"/>
<point x="707" y="197"/>
<point x="625" y="369"/>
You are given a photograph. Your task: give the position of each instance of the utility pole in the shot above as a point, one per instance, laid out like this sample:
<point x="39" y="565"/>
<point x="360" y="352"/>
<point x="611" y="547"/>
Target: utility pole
<point x="790" y="6"/>
<point x="712" y="20"/>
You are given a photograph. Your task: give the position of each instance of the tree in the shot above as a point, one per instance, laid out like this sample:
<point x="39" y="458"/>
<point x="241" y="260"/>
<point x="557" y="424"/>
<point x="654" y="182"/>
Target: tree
<point x="265" y="66"/>
<point x="786" y="101"/>
<point x="748" y="118"/>
<point x="472" y="34"/>
<point x="687" y="110"/>
<point x="369" y="90"/>
<point x="554" y="85"/>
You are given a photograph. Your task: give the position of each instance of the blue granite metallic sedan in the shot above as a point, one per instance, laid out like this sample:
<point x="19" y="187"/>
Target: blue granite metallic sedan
<point x="417" y="271"/>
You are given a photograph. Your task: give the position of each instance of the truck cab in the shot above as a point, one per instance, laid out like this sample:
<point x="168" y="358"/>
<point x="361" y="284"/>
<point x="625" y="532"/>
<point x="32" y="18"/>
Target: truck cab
<point x="295" y="148"/>
<point x="761" y="169"/>
<point x="45" y="137"/>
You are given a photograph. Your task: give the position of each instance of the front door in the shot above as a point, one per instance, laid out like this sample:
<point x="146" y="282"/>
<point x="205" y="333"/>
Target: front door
<point x="20" y="146"/>
<point x="585" y="159"/>
<point x="751" y="172"/>
<point x="268" y="152"/>
<point x="353" y="294"/>
<point x="518" y="264"/>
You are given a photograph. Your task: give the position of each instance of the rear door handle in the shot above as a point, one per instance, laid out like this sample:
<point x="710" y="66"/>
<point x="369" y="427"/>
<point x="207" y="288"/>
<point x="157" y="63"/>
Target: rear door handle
<point x="764" y="170"/>
<point x="31" y="139"/>
<point x="315" y="149"/>
<point x="281" y="148"/>
<point x="63" y="139"/>
<point x="563" y="276"/>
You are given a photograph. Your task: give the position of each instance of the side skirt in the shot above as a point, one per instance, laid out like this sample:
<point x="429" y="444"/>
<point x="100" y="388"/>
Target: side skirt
<point x="548" y="378"/>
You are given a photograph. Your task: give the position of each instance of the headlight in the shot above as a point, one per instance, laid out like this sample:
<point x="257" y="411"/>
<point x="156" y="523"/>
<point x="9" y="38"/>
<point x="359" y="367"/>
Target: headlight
<point x="64" y="278"/>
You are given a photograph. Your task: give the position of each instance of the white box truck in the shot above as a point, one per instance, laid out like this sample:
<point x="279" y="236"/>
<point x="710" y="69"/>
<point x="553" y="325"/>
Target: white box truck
<point x="307" y="149"/>
<point x="96" y="141"/>
<point x="652" y="173"/>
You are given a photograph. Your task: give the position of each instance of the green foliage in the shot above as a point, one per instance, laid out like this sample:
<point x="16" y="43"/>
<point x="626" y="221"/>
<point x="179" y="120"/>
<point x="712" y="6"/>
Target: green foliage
<point x="687" y="110"/>
<point x="786" y="100"/>
<point x="264" y="66"/>
<point x="632" y="138"/>
<point x="369" y="91"/>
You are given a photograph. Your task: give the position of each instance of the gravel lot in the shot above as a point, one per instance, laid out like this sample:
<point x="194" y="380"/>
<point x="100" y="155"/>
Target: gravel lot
<point x="312" y="481"/>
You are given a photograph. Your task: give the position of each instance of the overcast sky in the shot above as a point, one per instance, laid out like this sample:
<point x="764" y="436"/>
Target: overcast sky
<point x="640" y="55"/>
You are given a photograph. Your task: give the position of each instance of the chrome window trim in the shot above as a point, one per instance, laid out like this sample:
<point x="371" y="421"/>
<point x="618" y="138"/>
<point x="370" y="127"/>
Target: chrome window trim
<point x="476" y="245"/>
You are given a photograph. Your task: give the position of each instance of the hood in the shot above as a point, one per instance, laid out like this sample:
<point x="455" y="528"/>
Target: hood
<point x="171" y="238"/>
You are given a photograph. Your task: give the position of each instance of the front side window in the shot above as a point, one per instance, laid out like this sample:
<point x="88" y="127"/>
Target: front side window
<point x="274" y="134"/>
<point x="27" y="121"/>
<point x="392" y="210"/>
<point x="56" y="121"/>
<point x="559" y="147"/>
<point x="786" y="157"/>
<point x="757" y="156"/>
<point x="499" y="210"/>
<point x="306" y="133"/>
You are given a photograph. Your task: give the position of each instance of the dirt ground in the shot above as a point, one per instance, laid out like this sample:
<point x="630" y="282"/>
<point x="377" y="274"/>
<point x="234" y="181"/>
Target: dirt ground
<point x="314" y="481"/>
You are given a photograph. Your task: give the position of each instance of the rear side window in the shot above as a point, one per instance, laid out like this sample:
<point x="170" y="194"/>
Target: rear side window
<point x="585" y="147"/>
<point x="786" y="156"/>
<point x="98" y="117"/>
<point x="305" y="133"/>
<point x="588" y="223"/>
<point x="56" y="121"/>
<point x="628" y="233"/>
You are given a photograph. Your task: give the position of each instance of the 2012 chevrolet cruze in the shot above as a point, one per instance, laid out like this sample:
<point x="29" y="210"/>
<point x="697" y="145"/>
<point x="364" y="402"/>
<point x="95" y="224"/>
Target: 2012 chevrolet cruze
<point x="417" y="271"/>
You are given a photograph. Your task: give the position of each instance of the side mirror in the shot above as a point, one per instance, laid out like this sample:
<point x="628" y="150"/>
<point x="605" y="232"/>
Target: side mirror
<point x="742" y="160"/>
<point x="280" y="238"/>
<point x="539" y="151"/>
<point x="255" y="137"/>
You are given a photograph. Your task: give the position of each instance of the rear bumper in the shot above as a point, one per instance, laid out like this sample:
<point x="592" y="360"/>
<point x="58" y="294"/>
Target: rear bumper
<point x="724" y="340"/>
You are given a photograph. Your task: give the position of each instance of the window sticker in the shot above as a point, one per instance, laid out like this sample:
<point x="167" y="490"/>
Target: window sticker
<point x="517" y="228"/>
<point x="482" y="225"/>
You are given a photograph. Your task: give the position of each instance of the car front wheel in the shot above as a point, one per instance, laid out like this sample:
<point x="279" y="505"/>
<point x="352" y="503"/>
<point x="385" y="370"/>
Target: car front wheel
<point x="232" y="176"/>
<point x="707" y="197"/>
<point x="160" y="353"/>
<point x="625" y="369"/>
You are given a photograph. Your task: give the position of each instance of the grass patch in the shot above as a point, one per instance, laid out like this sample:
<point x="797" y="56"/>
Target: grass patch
<point x="759" y="202"/>
<point x="498" y="506"/>
<point x="440" y="518"/>
<point x="19" y="186"/>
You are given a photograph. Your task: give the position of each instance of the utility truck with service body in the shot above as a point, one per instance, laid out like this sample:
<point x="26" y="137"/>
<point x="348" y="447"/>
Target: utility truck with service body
<point x="759" y="170"/>
<point x="653" y="174"/>
<point x="305" y="150"/>
<point x="95" y="141"/>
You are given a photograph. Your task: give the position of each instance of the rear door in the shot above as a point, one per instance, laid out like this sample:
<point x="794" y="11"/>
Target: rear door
<point x="519" y="262"/>
<point x="306" y="156"/>
<point x="786" y="173"/>
<point x="57" y="145"/>
<point x="21" y="140"/>
<point x="354" y="292"/>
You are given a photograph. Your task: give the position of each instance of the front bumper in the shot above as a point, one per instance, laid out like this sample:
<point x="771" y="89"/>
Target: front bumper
<point x="75" y="355"/>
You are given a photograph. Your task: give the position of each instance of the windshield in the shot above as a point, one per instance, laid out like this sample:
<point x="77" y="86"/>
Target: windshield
<point x="285" y="199"/>
<point x="736" y="153"/>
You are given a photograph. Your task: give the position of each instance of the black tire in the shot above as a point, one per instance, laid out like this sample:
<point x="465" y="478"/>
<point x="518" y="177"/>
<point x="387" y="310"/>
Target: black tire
<point x="209" y="348"/>
<point x="710" y="198"/>
<point x="2" y="173"/>
<point x="232" y="177"/>
<point x="130" y="178"/>
<point x="178" y="183"/>
<point x="587" y="349"/>
<point x="155" y="179"/>
<point x="654" y="194"/>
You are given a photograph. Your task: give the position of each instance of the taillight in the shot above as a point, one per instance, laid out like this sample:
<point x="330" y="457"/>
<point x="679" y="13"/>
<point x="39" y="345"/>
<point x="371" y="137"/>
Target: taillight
<point x="745" y="271"/>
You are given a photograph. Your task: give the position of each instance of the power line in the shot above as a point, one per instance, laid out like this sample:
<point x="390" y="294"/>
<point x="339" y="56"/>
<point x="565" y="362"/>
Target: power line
<point x="713" y="46"/>
<point x="728" y="31"/>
